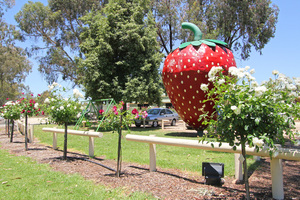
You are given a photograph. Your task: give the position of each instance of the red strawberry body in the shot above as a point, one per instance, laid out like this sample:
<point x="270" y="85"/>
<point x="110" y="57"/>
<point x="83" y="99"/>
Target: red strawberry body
<point x="183" y="73"/>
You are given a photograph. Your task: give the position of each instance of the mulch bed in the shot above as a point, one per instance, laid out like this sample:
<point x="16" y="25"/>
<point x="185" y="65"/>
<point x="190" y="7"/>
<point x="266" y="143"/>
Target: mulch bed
<point x="163" y="184"/>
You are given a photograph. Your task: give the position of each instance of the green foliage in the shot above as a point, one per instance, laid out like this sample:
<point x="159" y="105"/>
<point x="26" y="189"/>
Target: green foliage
<point x="248" y="112"/>
<point x="62" y="110"/>
<point x="11" y="110"/>
<point x="121" y="54"/>
<point x="117" y="118"/>
<point x="58" y="26"/>
<point x="14" y="65"/>
<point x="22" y="178"/>
<point x="242" y="24"/>
<point x="29" y="106"/>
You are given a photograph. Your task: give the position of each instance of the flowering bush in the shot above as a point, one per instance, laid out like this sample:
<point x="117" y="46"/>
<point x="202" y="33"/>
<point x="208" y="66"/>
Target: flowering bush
<point x="249" y="113"/>
<point x="113" y="119"/>
<point x="29" y="106"/>
<point x="11" y="110"/>
<point x="62" y="110"/>
<point x="142" y="114"/>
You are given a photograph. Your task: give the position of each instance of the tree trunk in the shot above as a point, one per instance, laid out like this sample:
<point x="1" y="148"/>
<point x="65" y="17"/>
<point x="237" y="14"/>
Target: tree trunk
<point x="119" y="148"/>
<point x="12" y="131"/>
<point x="7" y="127"/>
<point x="65" y="141"/>
<point x="26" y="138"/>
<point x="245" y="171"/>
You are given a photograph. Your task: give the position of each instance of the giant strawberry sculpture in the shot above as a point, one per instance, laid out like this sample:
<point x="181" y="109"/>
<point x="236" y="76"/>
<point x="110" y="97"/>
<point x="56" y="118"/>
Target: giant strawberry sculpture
<point x="186" y="68"/>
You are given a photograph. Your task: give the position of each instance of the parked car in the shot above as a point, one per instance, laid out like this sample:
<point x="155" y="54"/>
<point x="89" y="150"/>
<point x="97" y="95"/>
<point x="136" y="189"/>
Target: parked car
<point x="157" y="114"/>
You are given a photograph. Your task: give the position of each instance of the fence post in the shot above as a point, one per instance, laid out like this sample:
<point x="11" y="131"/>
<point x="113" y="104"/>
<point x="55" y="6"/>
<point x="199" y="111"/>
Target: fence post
<point x="238" y="167"/>
<point x="277" y="178"/>
<point x="30" y="138"/>
<point x="54" y="140"/>
<point x="152" y="153"/>
<point x="91" y="145"/>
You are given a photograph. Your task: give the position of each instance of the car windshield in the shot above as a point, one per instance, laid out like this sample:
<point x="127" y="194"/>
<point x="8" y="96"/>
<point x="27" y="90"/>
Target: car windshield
<point x="153" y="111"/>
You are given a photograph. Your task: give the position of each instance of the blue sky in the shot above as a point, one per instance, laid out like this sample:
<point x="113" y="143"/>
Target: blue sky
<point x="282" y="53"/>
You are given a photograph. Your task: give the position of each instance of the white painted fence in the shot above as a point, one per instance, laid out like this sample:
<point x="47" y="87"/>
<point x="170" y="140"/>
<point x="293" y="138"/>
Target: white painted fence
<point x="276" y="163"/>
<point x="90" y="134"/>
<point x="30" y="130"/>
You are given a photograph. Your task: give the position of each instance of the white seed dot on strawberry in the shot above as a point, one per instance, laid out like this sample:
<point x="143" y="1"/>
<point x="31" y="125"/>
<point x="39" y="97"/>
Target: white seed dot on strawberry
<point x="198" y="71"/>
<point x="194" y="64"/>
<point x="195" y="79"/>
<point x="190" y="102"/>
<point x="184" y="90"/>
<point x="182" y="97"/>
<point x="181" y="82"/>
<point x="184" y="66"/>
<point x="188" y="76"/>
<point x="212" y="63"/>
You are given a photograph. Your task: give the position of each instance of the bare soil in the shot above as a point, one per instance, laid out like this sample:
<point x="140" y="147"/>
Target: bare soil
<point x="163" y="184"/>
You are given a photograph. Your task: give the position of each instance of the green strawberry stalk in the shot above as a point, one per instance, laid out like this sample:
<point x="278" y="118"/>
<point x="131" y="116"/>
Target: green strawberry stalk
<point x="198" y="37"/>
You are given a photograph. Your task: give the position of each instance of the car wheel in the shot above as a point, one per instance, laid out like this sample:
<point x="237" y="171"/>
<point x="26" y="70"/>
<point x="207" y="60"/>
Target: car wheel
<point x="138" y="125"/>
<point x="173" y="123"/>
<point x="155" y="123"/>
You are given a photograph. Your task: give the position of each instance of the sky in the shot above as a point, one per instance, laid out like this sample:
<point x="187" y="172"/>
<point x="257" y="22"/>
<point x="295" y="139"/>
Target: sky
<point x="282" y="53"/>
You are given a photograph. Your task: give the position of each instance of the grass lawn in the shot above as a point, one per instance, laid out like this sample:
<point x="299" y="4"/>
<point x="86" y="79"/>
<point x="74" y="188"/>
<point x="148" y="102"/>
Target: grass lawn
<point x="186" y="159"/>
<point x="22" y="178"/>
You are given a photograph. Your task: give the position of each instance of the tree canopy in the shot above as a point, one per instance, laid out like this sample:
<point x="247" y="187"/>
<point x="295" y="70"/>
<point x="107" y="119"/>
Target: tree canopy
<point x="58" y="26"/>
<point x="243" y="24"/>
<point x="121" y="53"/>
<point x="14" y="65"/>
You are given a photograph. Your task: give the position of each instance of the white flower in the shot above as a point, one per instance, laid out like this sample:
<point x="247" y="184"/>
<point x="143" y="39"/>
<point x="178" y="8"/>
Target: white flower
<point x="61" y="107"/>
<point x="77" y="94"/>
<point x="50" y="87"/>
<point x="260" y="90"/>
<point x="36" y="105"/>
<point x="275" y="72"/>
<point x="78" y="115"/>
<point x="254" y="84"/>
<point x="213" y="71"/>
<point x="54" y="84"/>
<point x="258" y="142"/>
<point x="75" y="107"/>
<point x="247" y="68"/>
<point x="68" y="105"/>
<point x="236" y="110"/>
<point x="52" y="108"/>
<point x="252" y="71"/>
<point x="221" y="81"/>
<point x="47" y="101"/>
<point x="204" y="87"/>
<point x="291" y="87"/>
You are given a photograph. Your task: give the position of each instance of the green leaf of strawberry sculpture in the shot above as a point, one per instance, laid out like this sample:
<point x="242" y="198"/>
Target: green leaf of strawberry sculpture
<point x="186" y="68"/>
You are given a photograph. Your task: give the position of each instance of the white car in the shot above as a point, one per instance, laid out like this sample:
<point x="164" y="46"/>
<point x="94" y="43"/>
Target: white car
<point x="157" y="114"/>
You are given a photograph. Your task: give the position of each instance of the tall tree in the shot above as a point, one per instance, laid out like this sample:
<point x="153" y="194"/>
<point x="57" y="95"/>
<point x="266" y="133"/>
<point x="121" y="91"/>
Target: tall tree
<point x="14" y="65"/>
<point x="58" y="26"/>
<point x="121" y="53"/>
<point x="244" y="25"/>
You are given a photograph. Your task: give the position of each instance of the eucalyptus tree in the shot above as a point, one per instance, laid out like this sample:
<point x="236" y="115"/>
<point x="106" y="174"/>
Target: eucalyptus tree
<point x="244" y="25"/>
<point x="14" y="65"/>
<point x="121" y="53"/>
<point x="57" y="27"/>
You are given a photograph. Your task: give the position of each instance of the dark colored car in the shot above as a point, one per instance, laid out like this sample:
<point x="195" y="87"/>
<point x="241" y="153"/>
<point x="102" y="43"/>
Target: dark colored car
<point x="157" y="114"/>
